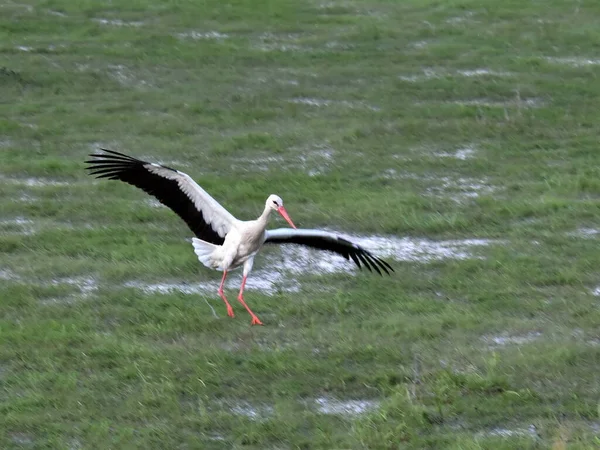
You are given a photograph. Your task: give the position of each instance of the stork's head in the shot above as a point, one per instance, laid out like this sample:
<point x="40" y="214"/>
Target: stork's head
<point x="275" y="202"/>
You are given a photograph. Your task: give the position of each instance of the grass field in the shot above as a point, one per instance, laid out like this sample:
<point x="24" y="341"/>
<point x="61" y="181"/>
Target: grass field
<point x="457" y="139"/>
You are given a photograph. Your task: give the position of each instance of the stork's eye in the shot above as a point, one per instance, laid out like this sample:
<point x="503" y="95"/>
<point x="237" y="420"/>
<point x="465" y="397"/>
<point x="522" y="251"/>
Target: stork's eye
<point x="275" y="203"/>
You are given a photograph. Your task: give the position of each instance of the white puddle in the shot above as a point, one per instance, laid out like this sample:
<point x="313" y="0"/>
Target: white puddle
<point x="334" y="45"/>
<point x="317" y="160"/>
<point x="460" y="19"/>
<point x="28" y="8"/>
<point x="124" y="76"/>
<point x="56" y="13"/>
<point x="272" y="47"/>
<point x="153" y="203"/>
<point x="482" y="73"/>
<point x="23" y="225"/>
<point x="574" y="61"/>
<point x="531" y="431"/>
<point x="86" y="285"/>
<point x="323" y="405"/>
<point x="419" y="44"/>
<point x="269" y="42"/>
<point x="585" y="232"/>
<point x="264" y="281"/>
<point x="460" y="188"/>
<point x="33" y="181"/>
<point x="400" y="249"/>
<point x="430" y="74"/>
<point x="461" y="153"/>
<point x="310" y="101"/>
<point x="528" y="102"/>
<point x="118" y="22"/>
<point x="296" y="260"/>
<point x="8" y="275"/>
<point x="506" y="339"/>
<point x="198" y="35"/>
<point x="257" y="164"/>
<point x="349" y="407"/>
<point x="319" y="102"/>
<point x="314" y="160"/>
<point x="390" y="174"/>
<point x="216" y="437"/>
<point x="22" y="439"/>
<point x="246" y="409"/>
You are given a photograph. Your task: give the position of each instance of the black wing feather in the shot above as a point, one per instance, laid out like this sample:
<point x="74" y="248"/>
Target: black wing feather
<point x="337" y="245"/>
<point x="117" y="166"/>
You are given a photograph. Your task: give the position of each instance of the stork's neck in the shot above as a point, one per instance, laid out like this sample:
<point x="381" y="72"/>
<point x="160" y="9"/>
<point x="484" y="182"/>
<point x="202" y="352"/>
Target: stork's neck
<point x="264" y="217"/>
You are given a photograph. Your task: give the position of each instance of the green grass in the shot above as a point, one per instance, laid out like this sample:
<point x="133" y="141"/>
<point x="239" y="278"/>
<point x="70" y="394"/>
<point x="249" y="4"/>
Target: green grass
<point x="343" y="108"/>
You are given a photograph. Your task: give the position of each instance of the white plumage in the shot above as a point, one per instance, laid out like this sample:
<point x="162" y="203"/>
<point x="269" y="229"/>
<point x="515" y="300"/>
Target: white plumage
<point x="222" y="242"/>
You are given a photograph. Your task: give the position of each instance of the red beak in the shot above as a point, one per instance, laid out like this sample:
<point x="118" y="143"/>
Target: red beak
<point x="281" y="210"/>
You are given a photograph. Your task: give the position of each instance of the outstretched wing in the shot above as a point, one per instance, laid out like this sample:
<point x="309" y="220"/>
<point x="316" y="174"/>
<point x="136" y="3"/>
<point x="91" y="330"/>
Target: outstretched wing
<point x="207" y="219"/>
<point x="324" y="240"/>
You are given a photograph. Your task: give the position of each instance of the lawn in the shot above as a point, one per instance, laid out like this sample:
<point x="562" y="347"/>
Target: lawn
<point x="456" y="139"/>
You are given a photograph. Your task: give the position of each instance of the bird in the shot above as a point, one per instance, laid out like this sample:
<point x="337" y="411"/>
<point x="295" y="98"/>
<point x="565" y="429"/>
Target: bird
<point x="221" y="241"/>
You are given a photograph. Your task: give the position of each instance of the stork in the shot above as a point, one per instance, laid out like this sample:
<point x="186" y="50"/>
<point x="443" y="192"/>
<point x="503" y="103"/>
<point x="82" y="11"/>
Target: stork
<point x="222" y="242"/>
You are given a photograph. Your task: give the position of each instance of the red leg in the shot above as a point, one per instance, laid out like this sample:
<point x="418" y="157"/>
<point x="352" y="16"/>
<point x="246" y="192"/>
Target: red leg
<point x="255" y="320"/>
<point x="222" y="295"/>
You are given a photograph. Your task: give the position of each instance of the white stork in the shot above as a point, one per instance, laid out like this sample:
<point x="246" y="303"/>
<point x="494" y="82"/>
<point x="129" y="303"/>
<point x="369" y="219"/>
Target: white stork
<point x="222" y="242"/>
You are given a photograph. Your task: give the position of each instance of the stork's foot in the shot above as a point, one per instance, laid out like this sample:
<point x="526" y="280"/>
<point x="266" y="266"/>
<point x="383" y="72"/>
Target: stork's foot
<point x="255" y="321"/>
<point x="230" y="311"/>
<point x="229" y="308"/>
